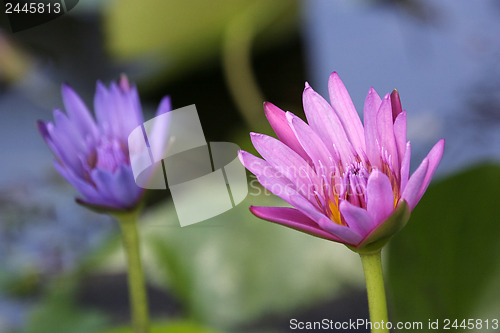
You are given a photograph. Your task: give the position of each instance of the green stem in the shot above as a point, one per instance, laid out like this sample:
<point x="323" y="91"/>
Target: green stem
<point x="372" y="266"/>
<point x="136" y="285"/>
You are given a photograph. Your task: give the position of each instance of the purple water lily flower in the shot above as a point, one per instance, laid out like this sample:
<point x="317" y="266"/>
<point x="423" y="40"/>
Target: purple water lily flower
<point x="91" y="154"/>
<point x="347" y="183"/>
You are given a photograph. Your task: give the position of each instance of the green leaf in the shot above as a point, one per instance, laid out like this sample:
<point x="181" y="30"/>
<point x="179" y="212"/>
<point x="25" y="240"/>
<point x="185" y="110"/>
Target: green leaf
<point x="58" y="313"/>
<point x="446" y="262"/>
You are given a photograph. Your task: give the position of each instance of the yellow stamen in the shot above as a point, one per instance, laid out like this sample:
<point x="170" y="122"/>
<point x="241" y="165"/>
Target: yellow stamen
<point x="334" y="212"/>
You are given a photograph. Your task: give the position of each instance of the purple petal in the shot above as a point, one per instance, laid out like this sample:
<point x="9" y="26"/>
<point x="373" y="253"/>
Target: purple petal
<point x="118" y="111"/>
<point x="123" y="187"/>
<point x="326" y="124"/>
<point x="64" y="149"/>
<point x="287" y="162"/>
<point x="412" y="190"/>
<point x="345" y="110"/>
<point x="127" y="109"/>
<point x="372" y="105"/>
<point x="292" y="218"/>
<point x="104" y="182"/>
<point x="277" y="120"/>
<point x="380" y="197"/>
<point x="42" y="128"/>
<point x="434" y="158"/>
<point x="67" y="131"/>
<point x="357" y="218"/>
<point x="400" y="136"/>
<point x="86" y="189"/>
<point x="103" y="107"/>
<point x="386" y="132"/>
<point x="312" y="144"/>
<point x="132" y="111"/>
<point x="78" y="112"/>
<point x="405" y="167"/>
<point x="159" y="138"/>
<point x="165" y="106"/>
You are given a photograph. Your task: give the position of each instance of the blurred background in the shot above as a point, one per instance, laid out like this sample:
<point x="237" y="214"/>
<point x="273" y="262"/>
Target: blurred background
<point x="61" y="266"/>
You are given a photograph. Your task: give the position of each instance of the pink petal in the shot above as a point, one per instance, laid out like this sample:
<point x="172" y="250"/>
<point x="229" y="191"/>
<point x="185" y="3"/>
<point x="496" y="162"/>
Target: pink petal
<point x="357" y="218"/>
<point x="380" y="197"/>
<point x="326" y="124"/>
<point x="411" y="192"/>
<point x="405" y="168"/>
<point x="268" y="177"/>
<point x="342" y="104"/>
<point x="256" y="165"/>
<point x="386" y="132"/>
<point x="287" y="162"/>
<point x="347" y="235"/>
<point x="400" y="136"/>
<point x="292" y="218"/>
<point x="277" y="120"/>
<point x="372" y="104"/>
<point x="434" y="157"/>
<point x="312" y="144"/>
<point x="396" y="104"/>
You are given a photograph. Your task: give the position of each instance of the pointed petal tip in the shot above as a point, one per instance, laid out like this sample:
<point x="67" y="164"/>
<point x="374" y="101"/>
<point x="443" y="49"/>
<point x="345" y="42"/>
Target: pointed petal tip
<point x="241" y="156"/>
<point x="256" y="137"/>
<point x="290" y="117"/>
<point x="441" y="143"/>
<point x="124" y="82"/>
<point x="42" y="128"/>
<point x="164" y="106"/>
<point x="270" y="109"/>
<point x="100" y="85"/>
<point x="67" y="89"/>
<point x="334" y="75"/>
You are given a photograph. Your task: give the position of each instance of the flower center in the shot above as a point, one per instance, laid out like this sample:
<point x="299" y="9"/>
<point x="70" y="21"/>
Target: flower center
<point x="109" y="155"/>
<point x="348" y="185"/>
<point x="355" y="179"/>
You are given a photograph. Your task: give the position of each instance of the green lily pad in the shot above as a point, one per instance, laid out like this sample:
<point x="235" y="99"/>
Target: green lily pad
<point x="446" y="262"/>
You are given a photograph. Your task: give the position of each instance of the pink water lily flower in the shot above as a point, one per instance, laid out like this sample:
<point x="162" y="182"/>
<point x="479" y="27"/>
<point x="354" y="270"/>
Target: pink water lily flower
<point x="347" y="183"/>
